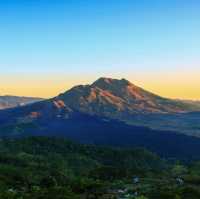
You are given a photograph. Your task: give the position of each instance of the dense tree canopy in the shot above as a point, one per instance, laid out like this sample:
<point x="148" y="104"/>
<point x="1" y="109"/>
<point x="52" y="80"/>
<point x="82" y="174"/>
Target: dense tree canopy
<point x="40" y="168"/>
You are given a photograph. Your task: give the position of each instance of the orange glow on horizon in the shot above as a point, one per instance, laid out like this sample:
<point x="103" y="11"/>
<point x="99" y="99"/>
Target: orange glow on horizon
<point x="185" y="86"/>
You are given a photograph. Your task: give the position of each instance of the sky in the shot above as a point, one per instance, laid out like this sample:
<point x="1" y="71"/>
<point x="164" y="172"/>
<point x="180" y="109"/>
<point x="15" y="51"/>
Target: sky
<point x="48" y="46"/>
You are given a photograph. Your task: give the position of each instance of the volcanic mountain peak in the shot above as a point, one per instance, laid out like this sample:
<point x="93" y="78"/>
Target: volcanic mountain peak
<point x="106" y="97"/>
<point x="114" y="98"/>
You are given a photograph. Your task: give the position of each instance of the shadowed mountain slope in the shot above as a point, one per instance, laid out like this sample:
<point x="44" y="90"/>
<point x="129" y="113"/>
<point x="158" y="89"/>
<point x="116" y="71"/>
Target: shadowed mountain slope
<point x="99" y="131"/>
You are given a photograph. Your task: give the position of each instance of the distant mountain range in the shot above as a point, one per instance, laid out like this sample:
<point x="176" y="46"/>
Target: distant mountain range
<point x="110" y="112"/>
<point x="8" y="101"/>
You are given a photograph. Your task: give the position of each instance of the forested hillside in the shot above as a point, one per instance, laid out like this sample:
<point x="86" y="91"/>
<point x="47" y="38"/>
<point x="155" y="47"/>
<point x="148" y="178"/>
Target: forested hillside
<point x="41" y="168"/>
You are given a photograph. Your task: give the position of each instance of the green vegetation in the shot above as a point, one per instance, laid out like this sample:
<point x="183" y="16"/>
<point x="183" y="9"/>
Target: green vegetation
<point x="45" y="168"/>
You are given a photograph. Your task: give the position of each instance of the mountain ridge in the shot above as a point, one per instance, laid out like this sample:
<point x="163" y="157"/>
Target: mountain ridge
<point x="112" y="98"/>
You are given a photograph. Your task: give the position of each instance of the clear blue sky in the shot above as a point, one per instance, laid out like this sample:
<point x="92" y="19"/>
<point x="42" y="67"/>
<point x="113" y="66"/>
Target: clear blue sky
<point x="81" y="40"/>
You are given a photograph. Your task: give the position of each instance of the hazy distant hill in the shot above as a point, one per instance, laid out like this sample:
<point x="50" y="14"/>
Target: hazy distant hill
<point x="8" y="101"/>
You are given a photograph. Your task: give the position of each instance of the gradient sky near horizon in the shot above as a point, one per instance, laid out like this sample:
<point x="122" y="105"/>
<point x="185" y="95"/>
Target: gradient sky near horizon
<point x="47" y="46"/>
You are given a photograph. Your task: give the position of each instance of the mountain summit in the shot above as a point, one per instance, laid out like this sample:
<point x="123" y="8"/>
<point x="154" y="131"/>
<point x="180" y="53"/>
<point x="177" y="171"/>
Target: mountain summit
<point x="117" y="99"/>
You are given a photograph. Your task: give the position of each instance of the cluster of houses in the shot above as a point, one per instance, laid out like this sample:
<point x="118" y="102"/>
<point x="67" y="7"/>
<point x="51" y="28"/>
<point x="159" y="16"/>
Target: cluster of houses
<point x="124" y="193"/>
